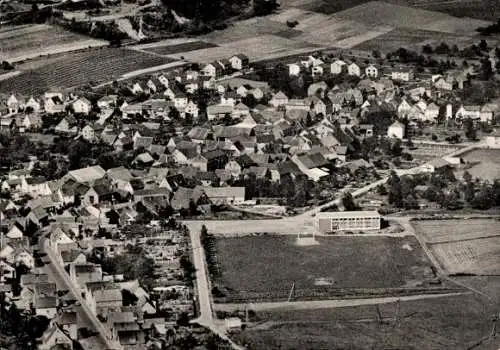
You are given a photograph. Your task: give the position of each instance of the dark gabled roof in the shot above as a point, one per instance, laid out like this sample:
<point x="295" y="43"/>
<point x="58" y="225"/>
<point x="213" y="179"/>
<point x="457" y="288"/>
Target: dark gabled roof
<point x="288" y="167"/>
<point x="217" y="153"/>
<point x="245" y="161"/>
<point x="313" y="160"/>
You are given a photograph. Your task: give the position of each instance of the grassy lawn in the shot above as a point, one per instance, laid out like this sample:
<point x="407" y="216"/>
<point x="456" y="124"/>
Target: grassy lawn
<point x="264" y="268"/>
<point x="445" y="323"/>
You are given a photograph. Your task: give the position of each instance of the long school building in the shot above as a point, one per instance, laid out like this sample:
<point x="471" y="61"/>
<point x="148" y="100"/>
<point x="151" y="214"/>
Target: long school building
<point x="347" y="221"/>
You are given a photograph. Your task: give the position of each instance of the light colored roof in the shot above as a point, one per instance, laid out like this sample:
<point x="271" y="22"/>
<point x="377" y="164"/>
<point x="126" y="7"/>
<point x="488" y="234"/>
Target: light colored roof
<point x="225" y="192"/>
<point x="88" y="174"/>
<point x="347" y="214"/>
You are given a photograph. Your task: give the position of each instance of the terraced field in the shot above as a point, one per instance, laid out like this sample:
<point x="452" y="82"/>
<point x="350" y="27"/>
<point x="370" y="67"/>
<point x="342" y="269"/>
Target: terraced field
<point x="28" y="41"/>
<point x="78" y="68"/>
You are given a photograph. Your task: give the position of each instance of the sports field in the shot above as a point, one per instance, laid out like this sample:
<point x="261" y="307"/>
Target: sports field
<point x="264" y="268"/>
<point x="18" y="43"/>
<point x="78" y="68"/>
<point x="464" y="246"/>
<point x="446" y="323"/>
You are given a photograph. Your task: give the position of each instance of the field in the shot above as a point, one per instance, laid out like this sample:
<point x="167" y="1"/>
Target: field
<point x="464" y="246"/>
<point x="480" y="9"/>
<point x="183" y="47"/>
<point x="78" y="68"/>
<point x="371" y="25"/>
<point x="264" y="268"/>
<point x="414" y="39"/>
<point x="28" y="41"/>
<point x="446" y="323"/>
<point x="487" y="163"/>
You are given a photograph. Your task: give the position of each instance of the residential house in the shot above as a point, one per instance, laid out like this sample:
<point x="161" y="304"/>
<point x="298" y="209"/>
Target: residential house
<point x="432" y="112"/>
<point x="402" y="73"/>
<point x="279" y="99"/>
<point x="239" y="61"/>
<point x="293" y="69"/>
<point x="53" y="103"/>
<point x="218" y="111"/>
<point x="472" y="112"/>
<point x="13" y="104"/>
<point x="199" y="162"/>
<point x="192" y="109"/>
<point x="67" y="125"/>
<point x="216" y="159"/>
<point x="82" y="106"/>
<point x="31" y="122"/>
<point x="212" y="70"/>
<point x="107" y="102"/>
<point x="55" y="338"/>
<point x="371" y="71"/>
<point x="337" y="67"/>
<point x="404" y="109"/>
<point x="88" y="133"/>
<point x="86" y="175"/>
<point x="224" y="195"/>
<point x="354" y="69"/>
<point x="46" y="306"/>
<point x="33" y="104"/>
<point x="137" y="89"/>
<point x="35" y="186"/>
<point x="396" y="130"/>
<point x="234" y="168"/>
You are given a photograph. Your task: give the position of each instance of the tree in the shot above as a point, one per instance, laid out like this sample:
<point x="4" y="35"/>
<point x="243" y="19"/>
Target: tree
<point x="348" y="202"/>
<point x="427" y="49"/>
<point x="395" y="192"/>
<point x="264" y="7"/>
<point x="470" y="130"/>
<point x="486" y="69"/>
<point x="483" y="45"/>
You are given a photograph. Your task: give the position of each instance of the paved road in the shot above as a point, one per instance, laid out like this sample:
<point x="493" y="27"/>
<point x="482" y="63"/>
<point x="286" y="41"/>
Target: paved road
<point x="61" y="275"/>
<point x="205" y="318"/>
<point x="324" y="304"/>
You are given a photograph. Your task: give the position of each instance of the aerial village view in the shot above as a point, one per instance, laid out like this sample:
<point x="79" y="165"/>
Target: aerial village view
<point x="249" y="174"/>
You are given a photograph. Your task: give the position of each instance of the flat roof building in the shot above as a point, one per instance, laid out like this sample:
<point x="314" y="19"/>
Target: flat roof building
<point x="347" y="221"/>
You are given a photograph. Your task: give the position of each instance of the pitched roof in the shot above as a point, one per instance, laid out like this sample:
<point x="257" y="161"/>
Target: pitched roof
<point x="88" y="174"/>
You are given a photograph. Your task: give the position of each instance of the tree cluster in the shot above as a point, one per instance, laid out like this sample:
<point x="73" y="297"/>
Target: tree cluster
<point x="133" y="264"/>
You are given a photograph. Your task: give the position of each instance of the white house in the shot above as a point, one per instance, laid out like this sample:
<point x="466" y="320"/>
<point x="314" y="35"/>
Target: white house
<point x="13" y="104"/>
<point x="396" y="130"/>
<point x="431" y="112"/>
<point x="239" y="61"/>
<point x="337" y="67"/>
<point x="404" y="108"/>
<point x="192" y="109"/>
<point x="82" y="106"/>
<point x="88" y="133"/>
<point x="293" y="69"/>
<point x="473" y="112"/>
<point x="209" y="70"/>
<point x="279" y="99"/>
<point x="402" y="73"/>
<point x="317" y="70"/>
<point x="353" y="69"/>
<point x="371" y="71"/>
